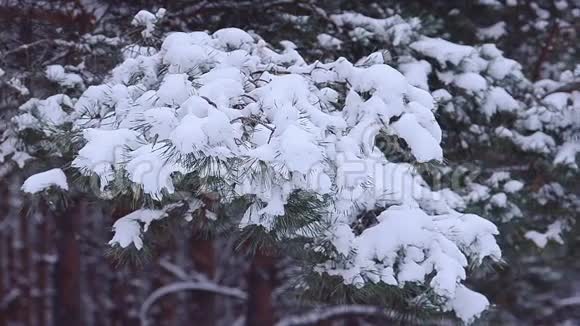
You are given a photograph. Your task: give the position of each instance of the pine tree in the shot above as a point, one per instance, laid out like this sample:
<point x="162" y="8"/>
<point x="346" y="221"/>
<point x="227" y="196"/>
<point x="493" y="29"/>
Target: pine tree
<point x="294" y="144"/>
<point x="510" y="140"/>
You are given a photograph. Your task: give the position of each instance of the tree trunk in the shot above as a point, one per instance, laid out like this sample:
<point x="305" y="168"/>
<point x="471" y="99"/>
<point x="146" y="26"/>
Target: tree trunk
<point x="68" y="297"/>
<point x="43" y="232"/>
<point x="4" y="212"/>
<point x="260" y="287"/>
<point x="202" y="252"/>
<point x="11" y="271"/>
<point x="203" y="257"/>
<point x="2" y="269"/>
<point x="24" y="274"/>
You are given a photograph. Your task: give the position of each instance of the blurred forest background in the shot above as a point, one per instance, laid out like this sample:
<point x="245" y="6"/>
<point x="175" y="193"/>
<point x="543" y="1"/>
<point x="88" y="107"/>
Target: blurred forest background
<point x="60" y="271"/>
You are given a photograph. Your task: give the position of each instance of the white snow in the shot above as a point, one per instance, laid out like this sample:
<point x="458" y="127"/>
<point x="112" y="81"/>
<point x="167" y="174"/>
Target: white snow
<point x="567" y="154"/>
<point x="45" y="180"/>
<point x="500" y="67"/>
<point x="498" y="100"/>
<point x="468" y="304"/>
<point x="392" y="29"/>
<point x="441" y="50"/>
<point x="470" y="81"/>
<point x="148" y="20"/>
<point x="423" y="145"/>
<point x="513" y="186"/>
<point x="537" y="142"/>
<point x="417" y="73"/>
<point x="493" y="32"/>
<point x="553" y="232"/>
<point x="329" y="42"/>
<point x="57" y="74"/>
<point x="103" y="151"/>
<point x="129" y="229"/>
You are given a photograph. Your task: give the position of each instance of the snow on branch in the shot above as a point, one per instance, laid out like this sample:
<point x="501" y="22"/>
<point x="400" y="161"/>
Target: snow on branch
<point x="44" y="180"/>
<point x="129" y="229"/>
<point x="269" y="127"/>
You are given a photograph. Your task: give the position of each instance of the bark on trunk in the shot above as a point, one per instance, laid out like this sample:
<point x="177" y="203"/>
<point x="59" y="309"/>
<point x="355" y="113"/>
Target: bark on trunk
<point x="2" y="291"/>
<point x="43" y="232"/>
<point x="203" y="256"/>
<point x="202" y="252"/>
<point x="11" y="271"/>
<point x="68" y="297"/>
<point x="4" y="211"/>
<point x="261" y="277"/>
<point x="24" y="313"/>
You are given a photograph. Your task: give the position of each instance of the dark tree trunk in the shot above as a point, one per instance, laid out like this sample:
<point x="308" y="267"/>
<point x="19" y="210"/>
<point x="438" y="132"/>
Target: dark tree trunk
<point x="43" y="232"/>
<point x="167" y="306"/>
<point x="2" y="291"/>
<point x="4" y="271"/>
<point x="119" y="288"/>
<point x="24" y="274"/>
<point x="261" y="280"/>
<point x="68" y="298"/>
<point x="203" y="256"/>
<point x="11" y="271"/>
<point x="202" y="252"/>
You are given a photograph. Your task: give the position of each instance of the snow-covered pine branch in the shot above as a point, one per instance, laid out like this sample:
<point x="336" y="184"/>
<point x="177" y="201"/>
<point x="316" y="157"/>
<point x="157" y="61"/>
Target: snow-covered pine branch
<point x="265" y="126"/>
<point x="490" y="109"/>
<point x="45" y="180"/>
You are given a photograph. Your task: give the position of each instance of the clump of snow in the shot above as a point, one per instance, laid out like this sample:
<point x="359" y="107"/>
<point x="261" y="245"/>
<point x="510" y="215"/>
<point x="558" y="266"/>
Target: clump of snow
<point x="470" y="81"/>
<point x="553" y="232"/>
<point x="130" y="228"/>
<point x="147" y="20"/>
<point x="417" y="73"/>
<point x="423" y="145"/>
<point x="329" y="42"/>
<point x="567" y="154"/>
<point x="393" y="29"/>
<point x="493" y="32"/>
<point x="56" y="73"/>
<point x="45" y="180"/>
<point x="443" y="51"/>
<point x="49" y="111"/>
<point x="513" y="186"/>
<point x="104" y="149"/>
<point x="499" y="100"/>
<point x="537" y="142"/>
<point x="468" y="304"/>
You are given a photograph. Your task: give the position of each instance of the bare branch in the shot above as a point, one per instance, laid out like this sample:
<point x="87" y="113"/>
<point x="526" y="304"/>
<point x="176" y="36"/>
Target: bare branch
<point x="326" y="313"/>
<point x="25" y="47"/>
<point x="187" y="286"/>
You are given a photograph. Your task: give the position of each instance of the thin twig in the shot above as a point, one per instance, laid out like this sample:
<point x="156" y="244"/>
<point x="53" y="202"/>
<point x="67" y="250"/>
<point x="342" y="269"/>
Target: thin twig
<point x="25" y="47"/>
<point x="272" y="129"/>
